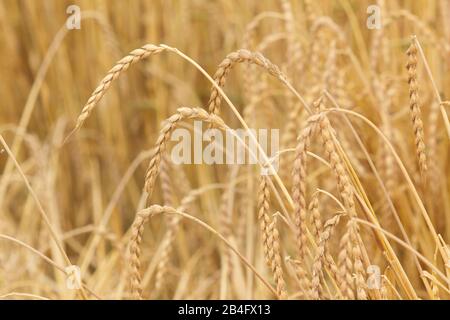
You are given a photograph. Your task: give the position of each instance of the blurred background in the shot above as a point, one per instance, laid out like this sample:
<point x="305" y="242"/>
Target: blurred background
<point x="48" y="73"/>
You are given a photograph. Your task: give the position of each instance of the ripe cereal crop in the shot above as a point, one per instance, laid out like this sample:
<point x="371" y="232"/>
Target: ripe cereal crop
<point x="338" y="112"/>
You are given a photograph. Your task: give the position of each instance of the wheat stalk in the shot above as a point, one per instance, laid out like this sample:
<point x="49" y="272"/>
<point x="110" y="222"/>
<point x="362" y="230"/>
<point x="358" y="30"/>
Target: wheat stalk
<point x="169" y="125"/>
<point x="275" y="258"/>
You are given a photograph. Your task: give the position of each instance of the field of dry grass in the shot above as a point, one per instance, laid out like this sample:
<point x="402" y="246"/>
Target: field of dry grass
<point x="92" y="207"/>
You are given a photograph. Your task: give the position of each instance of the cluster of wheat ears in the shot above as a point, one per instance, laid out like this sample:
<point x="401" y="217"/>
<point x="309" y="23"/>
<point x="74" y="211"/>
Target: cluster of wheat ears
<point x="358" y="209"/>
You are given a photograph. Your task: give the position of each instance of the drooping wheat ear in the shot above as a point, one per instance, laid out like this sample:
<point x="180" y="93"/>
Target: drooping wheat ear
<point x="332" y="267"/>
<point x="314" y="213"/>
<point x="299" y="187"/>
<point x="299" y="197"/>
<point x="263" y="216"/>
<point x="414" y="107"/>
<point x="250" y="78"/>
<point x="169" y="125"/>
<point x="275" y="259"/>
<point x="350" y="241"/>
<point x="345" y="268"/>
<point x="120" y="67"/>
<point x="134" y="251"/>
<point x="299" y="180"/>
<point x="227" y="64"/>
<point x="321" y="255"/>
<point x="345" y="261"/>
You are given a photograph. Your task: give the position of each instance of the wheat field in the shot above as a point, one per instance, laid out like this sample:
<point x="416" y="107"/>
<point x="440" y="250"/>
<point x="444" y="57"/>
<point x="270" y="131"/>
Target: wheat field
<point x="92" y="205"/>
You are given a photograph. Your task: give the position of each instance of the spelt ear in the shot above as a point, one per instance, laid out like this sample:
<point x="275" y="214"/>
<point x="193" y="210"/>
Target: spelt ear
<point x="115" y="72"/>
<point x="414" y="107"/>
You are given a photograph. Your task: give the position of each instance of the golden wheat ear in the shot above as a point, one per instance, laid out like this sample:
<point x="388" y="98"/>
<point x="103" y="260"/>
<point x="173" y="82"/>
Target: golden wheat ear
<point x="414" y="107"/>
